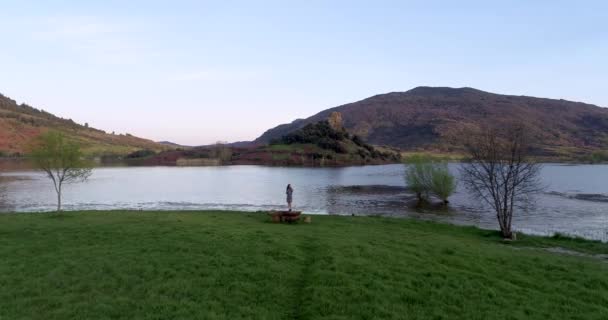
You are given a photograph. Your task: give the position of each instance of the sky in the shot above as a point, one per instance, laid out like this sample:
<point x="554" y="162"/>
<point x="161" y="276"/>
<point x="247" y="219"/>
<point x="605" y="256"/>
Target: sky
<point x="197" y="72"/>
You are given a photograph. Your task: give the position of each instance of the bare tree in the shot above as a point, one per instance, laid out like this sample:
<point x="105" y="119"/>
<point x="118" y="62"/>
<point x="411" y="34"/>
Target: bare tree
<point x="60" y="159"/>
<point x="500" y="172"/>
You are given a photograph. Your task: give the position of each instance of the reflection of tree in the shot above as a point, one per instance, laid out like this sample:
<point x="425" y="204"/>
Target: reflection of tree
<point x="3" y="202"/>
<point x="5" y="205"/>
<point x="331" y="198"/>
<point x="330" y="192"/>
<point x="369" y="199"/>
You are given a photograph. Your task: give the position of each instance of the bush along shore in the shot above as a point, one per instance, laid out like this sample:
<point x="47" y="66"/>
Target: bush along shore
<point x="234" y="265"/>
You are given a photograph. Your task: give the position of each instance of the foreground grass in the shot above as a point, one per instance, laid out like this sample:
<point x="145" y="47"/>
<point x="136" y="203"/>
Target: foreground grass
<point x="220" y="265"/>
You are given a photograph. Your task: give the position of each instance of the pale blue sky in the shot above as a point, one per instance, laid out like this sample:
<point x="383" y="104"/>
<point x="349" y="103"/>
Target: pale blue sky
<point x="195" y="72"/>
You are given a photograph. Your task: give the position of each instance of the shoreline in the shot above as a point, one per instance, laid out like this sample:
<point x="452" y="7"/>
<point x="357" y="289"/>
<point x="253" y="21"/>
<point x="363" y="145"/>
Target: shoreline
<point x="556" y="235"/>
<point x="134" y="163"/>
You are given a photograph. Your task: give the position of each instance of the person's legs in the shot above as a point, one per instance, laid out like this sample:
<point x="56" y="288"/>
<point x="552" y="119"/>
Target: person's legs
<point x="289" y="205"/>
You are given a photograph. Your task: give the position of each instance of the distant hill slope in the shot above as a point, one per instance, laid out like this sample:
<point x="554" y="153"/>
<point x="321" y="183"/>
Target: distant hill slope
<point x="325" y="143"/>
<point x="19" y="123"/>
<point x="172" y="144"/>
<point x="421" y="118"/>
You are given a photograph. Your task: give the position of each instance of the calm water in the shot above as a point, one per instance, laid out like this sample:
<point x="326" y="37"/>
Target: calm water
<point x="575" y="201"/>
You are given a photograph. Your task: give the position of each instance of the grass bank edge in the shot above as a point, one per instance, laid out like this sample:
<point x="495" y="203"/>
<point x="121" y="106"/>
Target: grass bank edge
<point x="483" y="236"/>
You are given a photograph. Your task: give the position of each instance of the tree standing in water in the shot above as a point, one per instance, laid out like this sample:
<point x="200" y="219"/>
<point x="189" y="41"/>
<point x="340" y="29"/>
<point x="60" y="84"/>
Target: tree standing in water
<point x="443" y="183"/>
<point x="425" y="175"/>
<point x="60" y="159"/>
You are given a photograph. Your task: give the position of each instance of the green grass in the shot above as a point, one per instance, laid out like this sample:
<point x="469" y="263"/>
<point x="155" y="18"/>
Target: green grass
<point x="296" y="147"/>
<point x="280" y="156"/>
<point x="221" y="265"/>
<point x="438" y="156"/>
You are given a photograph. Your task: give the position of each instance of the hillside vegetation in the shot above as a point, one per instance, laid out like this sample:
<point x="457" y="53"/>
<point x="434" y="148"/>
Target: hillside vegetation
<point x="325" y="143"/>
<point x="19" y="123"/>
<point x="334" y="143"/>
<point x="222" y="265"/>
<point x="426" y="118"/>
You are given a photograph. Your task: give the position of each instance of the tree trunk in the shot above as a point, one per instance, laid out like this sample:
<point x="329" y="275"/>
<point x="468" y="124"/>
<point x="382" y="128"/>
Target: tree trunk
<point x="420" y="200"/>
<point x="505" y="230"/>
<point x="59" y="199"/>
<point x="503" y="222"/>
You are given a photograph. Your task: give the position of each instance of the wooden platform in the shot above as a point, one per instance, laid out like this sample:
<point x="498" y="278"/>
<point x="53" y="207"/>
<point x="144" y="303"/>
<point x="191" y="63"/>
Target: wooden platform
<point x="285" y="216"/>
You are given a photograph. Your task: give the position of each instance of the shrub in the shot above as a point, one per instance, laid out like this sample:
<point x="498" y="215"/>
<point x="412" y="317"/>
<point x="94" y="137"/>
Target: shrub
<point x="598" y="156"/>
<point x="358" y="141"/>
<point x="443" y="184"/>
<point x="362" y="153"/>
<point x="418" y="176"/>
<point x="320" y="133"/>
<point x="426" y="175"/>
<point x="140" y="154"/>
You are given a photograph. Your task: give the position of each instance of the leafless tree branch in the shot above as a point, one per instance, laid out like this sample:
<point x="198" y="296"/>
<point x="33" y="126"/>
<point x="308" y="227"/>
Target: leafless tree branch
<point x="499" y="171"/>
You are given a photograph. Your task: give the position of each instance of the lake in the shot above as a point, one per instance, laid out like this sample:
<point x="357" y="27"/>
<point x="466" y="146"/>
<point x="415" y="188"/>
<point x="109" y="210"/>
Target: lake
<point x="575" y="201"/>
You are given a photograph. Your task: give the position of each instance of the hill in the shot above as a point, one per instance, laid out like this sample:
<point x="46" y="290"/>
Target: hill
<point x="422" y="119"/>
<point x="172" y="144"/>
<point x="324" y="143"/>
<point x="19" y="123"/>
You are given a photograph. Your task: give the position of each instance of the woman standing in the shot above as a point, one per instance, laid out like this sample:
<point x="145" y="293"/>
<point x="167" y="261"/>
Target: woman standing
<point x="289" y="193"/>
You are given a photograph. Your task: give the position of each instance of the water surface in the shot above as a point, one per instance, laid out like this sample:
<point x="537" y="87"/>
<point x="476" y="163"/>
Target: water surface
<point x="575" y="201"/>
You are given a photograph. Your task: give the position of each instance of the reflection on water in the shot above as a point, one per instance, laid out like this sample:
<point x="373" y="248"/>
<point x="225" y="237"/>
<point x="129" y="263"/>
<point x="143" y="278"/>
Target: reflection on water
<point x="3" y="202"/>
<point x="575" y="201"/>
<point x="581" y="196"/>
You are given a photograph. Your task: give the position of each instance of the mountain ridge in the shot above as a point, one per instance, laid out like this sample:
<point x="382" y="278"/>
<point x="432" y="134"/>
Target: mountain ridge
<point x="422" y="117"/>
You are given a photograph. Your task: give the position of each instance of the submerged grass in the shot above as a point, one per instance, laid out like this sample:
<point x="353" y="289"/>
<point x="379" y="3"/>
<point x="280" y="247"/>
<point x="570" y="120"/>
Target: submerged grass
<point x="225" y="265"/>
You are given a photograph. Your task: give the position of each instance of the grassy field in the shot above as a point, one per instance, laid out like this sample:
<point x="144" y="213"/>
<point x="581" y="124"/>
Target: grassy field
<point x="222" y="265"/>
